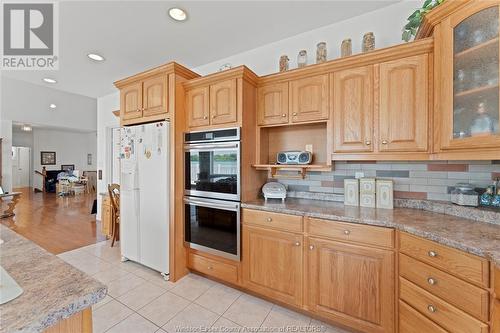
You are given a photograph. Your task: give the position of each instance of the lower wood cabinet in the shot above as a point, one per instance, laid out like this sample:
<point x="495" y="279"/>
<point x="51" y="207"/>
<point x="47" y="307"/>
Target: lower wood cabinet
<point x="351" y="284"/>
<point x="272" y="263"/>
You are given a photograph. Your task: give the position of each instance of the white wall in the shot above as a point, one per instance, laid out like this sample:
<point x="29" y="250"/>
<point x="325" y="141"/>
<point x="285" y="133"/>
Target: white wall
<point x="25" y="102"/>
<point x="6" y="135"/>
<point x="70" y="148"/>
<point x="106" y="120"/>
<point x="386" y="23"/>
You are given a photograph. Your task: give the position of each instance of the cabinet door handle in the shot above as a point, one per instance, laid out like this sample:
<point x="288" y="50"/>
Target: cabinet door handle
<point x="432" y="254"/>
<point x="384" y="142"/>
<point x="368" y="142"/>
<point x="269" y="219"/>
<point x="431" y="281"/>
<point x="295" y="114"/>
<point x="347" y="232"/>
<point x="297" y="244"/>
<point x="213" y="117"/>
<point x="431" y="308"/>
<point x="205" y="117"/>
<point x="311" y="247"/>
<point x="283" y="115"/>
<point x="210" y="267"/>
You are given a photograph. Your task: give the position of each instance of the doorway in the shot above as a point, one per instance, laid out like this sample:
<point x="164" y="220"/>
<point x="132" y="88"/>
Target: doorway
<point x="21" y="167"/>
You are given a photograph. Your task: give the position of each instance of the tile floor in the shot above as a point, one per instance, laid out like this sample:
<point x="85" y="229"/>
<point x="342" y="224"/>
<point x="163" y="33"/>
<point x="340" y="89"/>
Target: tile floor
<point x="140" y="301"/>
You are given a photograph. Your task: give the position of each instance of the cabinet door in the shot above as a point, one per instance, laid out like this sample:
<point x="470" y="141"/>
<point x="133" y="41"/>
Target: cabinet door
<point x="223" y="102"/>
<point x="272" y="264"/>
<point x="309" y="98"/>
<point x="353" y="285"/>
<point x="353" y="110"/>
<point x="131" y="101"/>
<point x="404" y="104"/>
<point x="468" y="71"/>
<point x="155" y="95"/>
<point x="197" y="107"/>
<point x="272" y="104"/>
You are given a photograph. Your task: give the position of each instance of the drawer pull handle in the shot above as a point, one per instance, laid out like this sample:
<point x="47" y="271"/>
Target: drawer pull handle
<point x="311" y="247"/>
<point x="269" y="219"/>
<point x="295" y="114"/>
<point x="431" y="281"/>
<point x="368" y="142"/>
<point x="205" y="117"/>
<point x="297" y="244"/>
<point x="347" y="232"/>
<point x="432" y="308"/>
<point x="432" y="254"/>
<point x="384" y="142"/>
<point x="210" y="267"/>
<point x="283" y="115"/>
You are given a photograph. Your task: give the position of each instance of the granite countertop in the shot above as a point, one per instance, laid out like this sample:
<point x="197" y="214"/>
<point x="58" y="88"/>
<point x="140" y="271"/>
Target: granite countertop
<point x="52" y="289"/>
<point x="479" y="238"/>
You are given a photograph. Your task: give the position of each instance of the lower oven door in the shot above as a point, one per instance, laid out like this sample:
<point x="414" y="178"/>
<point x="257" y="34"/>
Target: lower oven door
<point x="213" y="226"/>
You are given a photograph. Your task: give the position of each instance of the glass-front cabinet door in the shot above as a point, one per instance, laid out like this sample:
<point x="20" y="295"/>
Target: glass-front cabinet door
<point x="470" y="74"/>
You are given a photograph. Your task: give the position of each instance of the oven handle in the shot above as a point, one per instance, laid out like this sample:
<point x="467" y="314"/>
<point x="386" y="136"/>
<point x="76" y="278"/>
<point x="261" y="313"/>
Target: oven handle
<point x="211" y="146"/>
<point x="233" y="207"/>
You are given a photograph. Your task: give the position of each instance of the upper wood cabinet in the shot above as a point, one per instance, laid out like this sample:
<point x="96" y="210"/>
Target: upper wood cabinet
<point x="353" y="110"/>
<point x="131" y="101"/>
<point x="351" y="284"/>
<point x="154" y="100"/>
<point x="467" y="75"/>
<point x="403" y="109"/>
<point x="272" y="263"/>
<point x="223" y="102"/>
<point x="309" y="98"/>
<point x="197" y="106"/>
<point x="272" y="104"/>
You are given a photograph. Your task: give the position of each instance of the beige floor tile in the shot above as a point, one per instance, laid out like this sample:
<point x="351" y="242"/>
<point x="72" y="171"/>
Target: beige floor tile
<point x="134" y="324"/>
<point x="105" y="300"/>
<point x="120" y="286"/>
<point x="110" y="274"/>
<point x="153" y="277"/>
<point x="129" y="266"/>
<point x="192" y="286"/>
<point x="109" y="315"/>
<point x="164" y="308"/>
<point x="90" y="264"/>
<point x="141" y="295"/>
<point x="223" y="325"/>
<point x="248" y="311"/>
<point x="320" y="326"/>
<point x="280" y="317"/>
<point x="192" y="316"/>
<point x="218" y="298"/>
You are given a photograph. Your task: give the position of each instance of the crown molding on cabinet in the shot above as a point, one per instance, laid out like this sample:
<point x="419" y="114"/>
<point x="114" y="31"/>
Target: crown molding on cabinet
<point x="167" y="68"/>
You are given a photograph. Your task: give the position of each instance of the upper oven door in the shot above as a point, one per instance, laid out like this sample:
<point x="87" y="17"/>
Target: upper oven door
<point x="212" y="170"/>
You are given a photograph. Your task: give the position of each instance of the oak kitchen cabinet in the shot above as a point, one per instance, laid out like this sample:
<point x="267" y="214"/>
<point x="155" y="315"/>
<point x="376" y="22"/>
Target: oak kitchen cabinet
<point x="296" y="101"/>
<point x="382" y="108"/>
<point x="144" y="97"/>
<point x="219" y="100"/>
<point x="466" y="73"/>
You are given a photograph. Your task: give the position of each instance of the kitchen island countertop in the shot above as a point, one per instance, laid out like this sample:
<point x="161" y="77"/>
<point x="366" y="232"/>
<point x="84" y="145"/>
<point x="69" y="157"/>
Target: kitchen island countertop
<point x="52" y="289"/>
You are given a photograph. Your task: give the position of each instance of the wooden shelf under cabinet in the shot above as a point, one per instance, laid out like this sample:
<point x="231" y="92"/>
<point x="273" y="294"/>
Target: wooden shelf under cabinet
<point x="301" y="169"/>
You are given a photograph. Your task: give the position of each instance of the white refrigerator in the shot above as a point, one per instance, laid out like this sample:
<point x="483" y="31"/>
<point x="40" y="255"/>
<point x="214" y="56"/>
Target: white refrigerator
<point x="144" y="195"/>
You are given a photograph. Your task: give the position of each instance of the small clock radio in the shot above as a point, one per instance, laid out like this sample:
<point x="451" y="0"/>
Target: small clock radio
<point x="294" y="157"/>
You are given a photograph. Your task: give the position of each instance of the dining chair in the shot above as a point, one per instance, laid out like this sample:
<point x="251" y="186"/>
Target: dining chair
<point x="114" y="198"/>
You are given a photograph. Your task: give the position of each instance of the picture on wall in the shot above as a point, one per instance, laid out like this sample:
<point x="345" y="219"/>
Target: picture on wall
<point x="48" y="158"/>
<point x="67" y="167"/>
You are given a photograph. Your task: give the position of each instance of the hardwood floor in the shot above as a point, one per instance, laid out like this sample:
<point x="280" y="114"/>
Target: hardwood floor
<point x="57" y="224"/>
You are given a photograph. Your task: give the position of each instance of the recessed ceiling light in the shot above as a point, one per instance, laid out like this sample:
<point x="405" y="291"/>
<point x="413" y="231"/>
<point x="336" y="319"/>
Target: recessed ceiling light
<point x="49" y="80"/>
<point x="26" y="128"/>
<point x="177" y="14"/>
<point x="95" y="57"/>
<point x="52" y="106"/>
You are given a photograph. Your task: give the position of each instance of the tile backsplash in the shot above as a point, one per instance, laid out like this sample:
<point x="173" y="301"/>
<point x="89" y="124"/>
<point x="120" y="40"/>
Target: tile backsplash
<point x="431" y="180"/>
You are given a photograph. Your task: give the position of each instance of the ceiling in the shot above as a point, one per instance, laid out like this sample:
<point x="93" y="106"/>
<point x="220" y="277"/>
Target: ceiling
<point x="136" y="35"/>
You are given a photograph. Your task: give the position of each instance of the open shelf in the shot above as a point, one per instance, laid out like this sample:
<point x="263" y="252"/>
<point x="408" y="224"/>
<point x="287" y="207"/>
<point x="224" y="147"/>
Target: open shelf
<point x="301" y="169"/>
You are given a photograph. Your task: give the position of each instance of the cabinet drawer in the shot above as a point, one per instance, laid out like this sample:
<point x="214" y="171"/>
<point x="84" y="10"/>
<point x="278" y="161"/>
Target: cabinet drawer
<point x="358" y="233"/>
<point x="411" y="321"/>
<point x="285" y="222"/>
<point x="463" y="295"/>
<point x="439" y="311"/>
<point x="458" y="263"/>
<point x="219" y="270"/>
